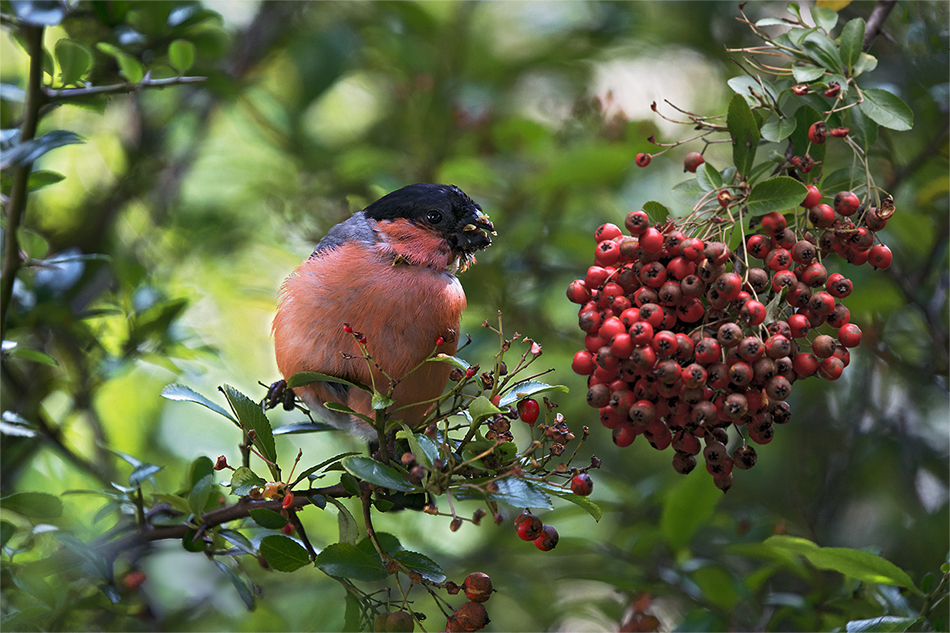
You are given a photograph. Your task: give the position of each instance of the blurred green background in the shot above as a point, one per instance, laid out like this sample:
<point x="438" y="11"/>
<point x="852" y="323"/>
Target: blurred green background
<point x="206" y="196"/>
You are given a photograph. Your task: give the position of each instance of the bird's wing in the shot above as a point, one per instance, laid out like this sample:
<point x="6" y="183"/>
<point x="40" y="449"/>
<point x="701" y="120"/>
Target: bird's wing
<point x="356" y="228"/>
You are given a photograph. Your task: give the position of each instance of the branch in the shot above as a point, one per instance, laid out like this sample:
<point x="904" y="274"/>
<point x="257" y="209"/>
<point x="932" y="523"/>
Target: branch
<point x="75" y="93"/>
<point x="18" y="192"/>
<point x="876" y="21"/>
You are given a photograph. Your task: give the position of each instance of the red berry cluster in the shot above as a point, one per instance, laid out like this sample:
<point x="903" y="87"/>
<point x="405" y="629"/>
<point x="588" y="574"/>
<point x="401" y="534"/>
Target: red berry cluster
<point x="530" y="528"/>
<point x="681" y="345"/>
<point x="472" y="615"/>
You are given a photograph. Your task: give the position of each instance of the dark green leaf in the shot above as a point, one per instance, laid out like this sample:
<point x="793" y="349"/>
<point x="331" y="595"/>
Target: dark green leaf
<point x="284" y="554"/>
<point x="821" y="49"/>
<point x="191" y="542"/>
<point x="376" y="473"/>
<point x="745" y="134"/>
<point x="141" y="473"/>
<point x="344" y="560"/>
<point x="528" y="389"/>
<point x="804" y="117"/>
<point x="349" y="531"/>
<point x="425" y="450"/>
<point x="186" y="394"/>
<point x="238" y="540"/>
<point x="426" y="567"/>
<point x="887" y="109"/>
<point x="851" y="41"/>
<point x="267" y="518"/>
<point x="655" y="211"/>
<point x="86" y="553"/>
<point x="387" y="542"/>
<point x="381" y="401"/>
<point x="243" y="590"/>
<point x="44" y="178"/>
<point x="353" y="613"/>
<point x="860" y="565"/>
<point x="252" y="418"/>
<point x="303" y="427"/>
<point x="36" y="505"/>
<point x="26" y="153"/>
<point x="749" y="86"/>
<point x="520" y="494"/>
<point x="243" y="480"/>
<point x="863" y="130"/>
<point x="844" y="179"/>
<point x="775" y="194"/>
<point x="565" y="493"/>
<point x="7" y="530"/>
<point x="75" y="60"/>
<point x="309" y="471"/>
<point x="825" y="18"/>
<point x="199" y="495"/>
<point x="708" y="177"/>
<point x="482" y="408"/>
<point x="302" y="378"/>
<point x="200" y="468"/>
<point x="806" y="73"/>
<point x="176" y="502"/>
<point x="927" y="583"/>
<point x="778" y="129"/>
<point x="181" y="55"/>
<point x="794" y="9"/>
<point x="39" y="12"/>
<point x="890" y="623"/>
<point x="686" y="507"/>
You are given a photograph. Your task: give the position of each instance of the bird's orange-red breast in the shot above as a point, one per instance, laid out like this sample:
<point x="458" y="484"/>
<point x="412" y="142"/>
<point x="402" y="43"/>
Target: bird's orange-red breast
<point x="389" y="272"/>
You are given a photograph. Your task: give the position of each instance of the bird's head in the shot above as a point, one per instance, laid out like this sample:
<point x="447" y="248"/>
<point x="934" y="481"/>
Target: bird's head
<point x="439" y="210"/>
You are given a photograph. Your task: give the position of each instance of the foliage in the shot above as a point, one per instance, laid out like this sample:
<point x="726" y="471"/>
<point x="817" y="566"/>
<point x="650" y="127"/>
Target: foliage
<point x="165" y="156"/>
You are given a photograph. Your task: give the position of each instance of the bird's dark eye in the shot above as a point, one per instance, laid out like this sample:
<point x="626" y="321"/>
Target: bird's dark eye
<point x="434" y="217"/>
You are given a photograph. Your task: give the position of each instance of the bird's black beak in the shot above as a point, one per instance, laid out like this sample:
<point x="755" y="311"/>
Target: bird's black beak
<point x="474" y="233"/>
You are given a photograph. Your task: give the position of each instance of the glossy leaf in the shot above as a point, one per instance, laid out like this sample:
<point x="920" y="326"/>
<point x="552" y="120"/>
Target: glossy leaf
<point x="302" y="378"/>
<point x="345" y="560"/>
<point x="520" y="493"/>
<point x="863" y="130"/>
<point x="745" y="134"/>
<point x="425" y="450"/>
<point x="528" y="389"/>
<point x="887" y="109"/>
<point x="568" y="495"/>
<point x="376" y="473"/>
<point x="238" y="540"/>
<point x="708" y="177"/>
<point x="885" y="623"/>
<point x="778" y="129"/>
<point x="283" y="554"/>
<point x="267" y="518"/>
<point x="34" y="355"/>
<point x="825" y="18"/>
<point x="655" y="211"/>
<point x="775" y="194"/>
<point x="143" y="473"/>
<point x="349" y="531"/>
<point x="860" y="565"/>
<point x="41" y="178"/>
<point x="7" y="530"/>
<point x="303" y="427"/>
<point x="187" y="394"/>
<point x="243" y="480"/>
<point x="807" y="73"/>
<point x="426" y="567"/>
<point x="748" y="87"/>
<point x="482" y="408"/>
<point x="199" y="495"/>
<point x="252" y="418"/>
<point x="75" y="60"/>
<point x="96" y="560"/>
<point x="36" y="505"/>
<point x="821" y="49"/>
<point x="851" y="42"/>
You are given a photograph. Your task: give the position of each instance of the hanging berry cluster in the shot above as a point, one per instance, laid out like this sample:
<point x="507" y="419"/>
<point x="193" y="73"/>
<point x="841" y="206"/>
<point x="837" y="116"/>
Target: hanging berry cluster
<point x="686" y="338"/>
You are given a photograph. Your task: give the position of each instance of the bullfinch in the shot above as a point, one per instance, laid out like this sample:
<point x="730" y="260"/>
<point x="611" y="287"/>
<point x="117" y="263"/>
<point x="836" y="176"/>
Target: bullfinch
<point x="388" y="272"/>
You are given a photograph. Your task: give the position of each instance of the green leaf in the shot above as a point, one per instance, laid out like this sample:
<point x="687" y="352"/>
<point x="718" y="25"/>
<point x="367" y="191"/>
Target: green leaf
<point x="186" y="394"/>
<point x="426" y="567"/>
<point x="238" y="540"/>
<point x="309" y="471"/>
<point x="243" y="590"/>
<point x="528" y="389"/>
<point x="890" y="623"/>
<point x="863" y="130"/>
<point x="36" y="505"/>
<point x="860" y="565"/>
<point x="686" y="507"/>
<point x="303" y="427"/>
<point x="821" y="49"/>
<point x="142" y="473"/>
<point x="804" y="117"/>
<point x="746" y="86"/>
<point x="176" y="502"/>
<point x="825" y="18"/>
<point x="376" y="473"/>
<point x="41" y="178"/>
<point x="353" y="613"/>
<point x="520" y="493"/>
<point x="349" y="531"/>
<point x="86" y="553"/>
<point x="806" y="73"/>
<point x="389" y="543"/>
<point x="454" y="360"/>
<point x="7" y="530"/>
<point x="584" y="502"/>
<point x="200" y="468"/>
<point x="887" y="109"/>
<point x="775" y="194"/>
<point x="267" y="518"/>
<point x="75" y="60"/>
<point x="32" y="243"/>
<point x="717" y="586"/>
<point x="794" y="544"/>
<point x="302" y="378"/>
<point x="243" y="480"/>
<point x="199" y="495"/>
<point x="794" y="9"/>
<point x="851" y="41"/>
<point x="345" y="560"/>
<point x="28" y="152"/>
<point x="655" y="211"/>
<point x="283" y="554"/>
<point x="708" y="177"/>
<point x="181" y="55"/>
<point x="865" y="64"/>
<point x="482" y="408"/>
<point x="381" y="401"/>
<point x="778" y="129"/>
<point x="250" y="416"/>
<point x="425" y="450"/>
<point x="745" y="134"/>
<point x="129" y="67"/>
<point x="34" y="355"/>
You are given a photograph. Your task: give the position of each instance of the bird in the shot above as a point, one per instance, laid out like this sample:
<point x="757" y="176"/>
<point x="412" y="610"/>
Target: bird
<point x="384" y="277"/>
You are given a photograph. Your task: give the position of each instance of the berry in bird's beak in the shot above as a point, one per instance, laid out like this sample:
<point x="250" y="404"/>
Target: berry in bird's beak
<point x="475" y="234"/>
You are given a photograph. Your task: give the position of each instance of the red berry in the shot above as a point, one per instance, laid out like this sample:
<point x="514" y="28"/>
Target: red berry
<point x="288" y="529"/>
<point x="528" y="411"/>
<point x="692" y="161"/>
<point x="529" y="527"/>
<point x="607" y="253"/>
<point x="773" y="222"/>
<point x="643" y="159"/>
<point x="798" y="325"/>
<point x="753" y="312"/>
<point x="805" y="364"/>
<point x="880" y="256"/>
<point x="478" y="587"/>
<point x="831" y="368"/>
<point x="596" y="277"/>
<point x="607" y="232"/>
<point x="816" y="133"/>
<point x="623" y="434"/>
<point x="636" y="222"/>
<point x="548" y="539"/>
<point x="582" y="485"/>
<point x="583" y="363"/>
<point x="651" y="241"/>
<point x="577" y="292"/>
<point x="821" y="216"/>
<point x="849" y="335"/>
<point x="846" y="203"/>
<point x="812" y="198"/>
<point x="758" y="246"/>
<point x="779" y="259"/>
